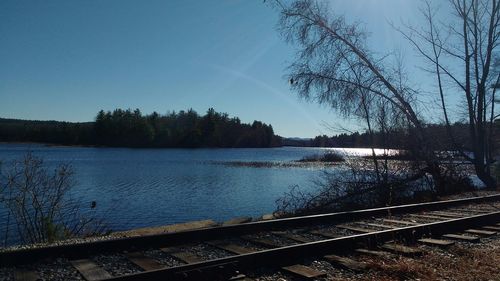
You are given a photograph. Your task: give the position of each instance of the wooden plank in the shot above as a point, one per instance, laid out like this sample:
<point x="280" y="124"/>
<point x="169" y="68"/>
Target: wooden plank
<point x="304" y="271"/>
<point x="90" y="270"/>
<point x="355" y="229"/>
<point x="324" y="233"/>
<point x="230" y="247"/>
<point x="184" y="256"/>
<point x="436" y="242"/>
<point x="481" y="232"/>
<point x="144" y="262"/>
<point x="237" y="221"/>
<point x="467" y="238"/>
<point x="294" y="237"/>
<point x="408" y="223"/>
<point x="26" y="275"/>
<point x="494" y="228"/>
<point x="346" y="263"/>
<point x="383" y="254"/>
<point x="401" y="249"/>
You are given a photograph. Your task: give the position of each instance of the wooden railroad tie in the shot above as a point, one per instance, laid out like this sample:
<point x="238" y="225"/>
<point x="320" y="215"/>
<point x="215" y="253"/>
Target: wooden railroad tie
<point x="354" y="228"/>
<point x="304" y="271"/>
<point x="480" y="232"/>
<point x="436" y="242"/>
<point x="465" y="211"/>
<point x="493" y="228"/>
<point x="482" y="211"/>
<point x="401" y="249"/>
<point x="230" y="247"/>
<point x="324" y="233"/>
<point x="90" y="270"/>
<point x="407" y="223"/>
<point x="184" y="256"/>
<point x="449" y="214"/>
<point x="261" y="241"/>
<point x="347" y="263"/>
<point x="146" y="263"/>
<point x="293" y="236"/>
<point x="429" y="217"/>
<point x="377" y="253"/>
<point x="240" y="277"/>
<point x="380" y="225"/>
<point x="487" y="209"/>
<point x="467" y="238"/>
<point x="26" y="275"/>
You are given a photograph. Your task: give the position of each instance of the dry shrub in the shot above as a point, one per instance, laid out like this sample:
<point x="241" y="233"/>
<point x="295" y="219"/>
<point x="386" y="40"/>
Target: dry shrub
<point x="403" y="269"/>
<point x="356" y="185"/>
<point x="40" y="204"/>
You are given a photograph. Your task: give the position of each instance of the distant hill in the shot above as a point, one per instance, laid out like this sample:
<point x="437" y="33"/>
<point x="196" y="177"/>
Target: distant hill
<point x="302" y="142"/>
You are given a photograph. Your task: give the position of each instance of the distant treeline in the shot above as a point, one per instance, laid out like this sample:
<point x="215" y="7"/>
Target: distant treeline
<point x="127" y="128"/>
<point x="130" y="128"/>
<point x="394" y="139"/>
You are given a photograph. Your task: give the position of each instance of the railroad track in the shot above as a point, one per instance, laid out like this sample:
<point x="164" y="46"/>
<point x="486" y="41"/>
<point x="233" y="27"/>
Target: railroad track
<point x="224" y="252"/>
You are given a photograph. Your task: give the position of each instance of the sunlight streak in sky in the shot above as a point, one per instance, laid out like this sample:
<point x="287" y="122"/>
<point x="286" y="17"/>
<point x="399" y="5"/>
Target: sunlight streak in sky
<point x="240" y="75"/>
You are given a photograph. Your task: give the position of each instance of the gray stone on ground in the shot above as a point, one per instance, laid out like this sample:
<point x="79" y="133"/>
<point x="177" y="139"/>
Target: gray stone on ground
<point x="237" y="221"/>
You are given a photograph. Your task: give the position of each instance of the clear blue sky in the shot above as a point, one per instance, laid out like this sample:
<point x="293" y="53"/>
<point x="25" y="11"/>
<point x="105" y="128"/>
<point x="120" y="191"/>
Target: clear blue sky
<point x="67" y="59"/>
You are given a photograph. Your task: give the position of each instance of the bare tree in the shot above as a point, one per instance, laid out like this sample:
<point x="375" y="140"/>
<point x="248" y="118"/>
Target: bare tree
<point x="335" y="66"/>
<point x="461" y="53"/>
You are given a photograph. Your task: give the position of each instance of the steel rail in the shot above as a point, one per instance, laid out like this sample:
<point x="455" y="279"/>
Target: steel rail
<point x="78" y="250"/>
<point x="289" y="254"/>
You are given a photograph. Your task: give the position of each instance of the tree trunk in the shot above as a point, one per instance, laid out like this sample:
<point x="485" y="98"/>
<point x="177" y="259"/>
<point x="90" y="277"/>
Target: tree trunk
<point x="483" y="173"/>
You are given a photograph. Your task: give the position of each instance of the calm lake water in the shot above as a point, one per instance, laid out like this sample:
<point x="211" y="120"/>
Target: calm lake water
<point x="147" y="187"/>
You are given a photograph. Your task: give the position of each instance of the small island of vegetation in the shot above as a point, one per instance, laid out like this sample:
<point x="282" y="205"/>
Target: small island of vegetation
<point x="326" y="157"/>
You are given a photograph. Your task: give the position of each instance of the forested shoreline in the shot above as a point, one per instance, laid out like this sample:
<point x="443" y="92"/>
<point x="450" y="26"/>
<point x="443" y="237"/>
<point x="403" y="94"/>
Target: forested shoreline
<point x="130" y="128"/>
<point x="188" y="129"/>
<point x="394" y="139"/>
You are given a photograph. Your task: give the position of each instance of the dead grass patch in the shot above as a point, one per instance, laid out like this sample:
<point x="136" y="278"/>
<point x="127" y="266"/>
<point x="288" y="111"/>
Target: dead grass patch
<point x="461" y="263"/>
